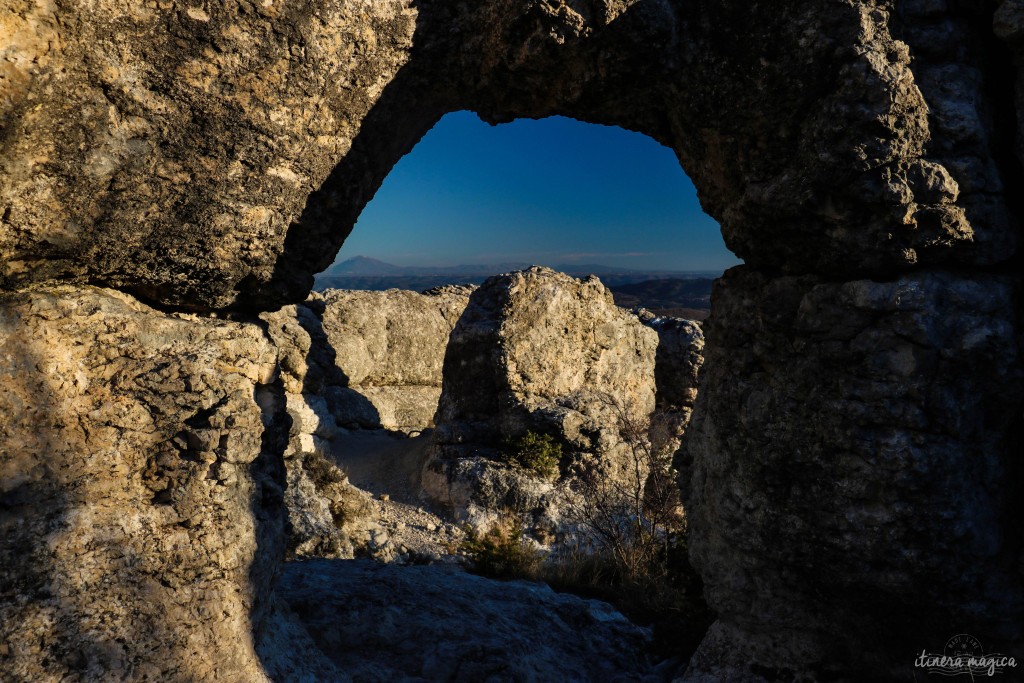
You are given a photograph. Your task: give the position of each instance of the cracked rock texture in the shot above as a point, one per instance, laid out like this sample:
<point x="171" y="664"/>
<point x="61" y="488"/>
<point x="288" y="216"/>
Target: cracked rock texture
<point x="536" y="351"/>
<point x="216" y="154"/>
<point x="389" y="347"/>
<point x="853" y="437"/>
<point x="140" y="489"/>
<point x="327" y="516"/>
<point x="354" y="359"/>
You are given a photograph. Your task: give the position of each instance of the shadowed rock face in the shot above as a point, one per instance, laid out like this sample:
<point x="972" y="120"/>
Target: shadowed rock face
<point x="373" y="622"/>
<point x="858" y="430"/>
<point x="849" y="436"/>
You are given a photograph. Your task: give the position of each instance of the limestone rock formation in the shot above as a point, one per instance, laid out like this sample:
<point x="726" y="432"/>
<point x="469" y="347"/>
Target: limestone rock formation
<point x="365" y="360"/>
<point x="852" y="435"/>
<point x="536" y="351"/>
<point x="376" y="622"/>
<point x="166" y="148"/>
<point x="857" y="433"/>
<point x="389" y="347"/>
<point x="327" y="516"/>
<point x="140" y="489"/>
<point x="353" y="359"/>
<point x="217" y="155"/>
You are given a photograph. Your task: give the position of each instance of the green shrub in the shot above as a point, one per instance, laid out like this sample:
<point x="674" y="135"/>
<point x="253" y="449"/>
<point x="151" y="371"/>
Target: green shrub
<point x="539" y="453"/>
<point x="502" y="552"/>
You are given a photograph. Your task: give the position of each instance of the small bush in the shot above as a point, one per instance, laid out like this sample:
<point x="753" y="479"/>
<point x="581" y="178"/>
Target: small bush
<point x="502" y="552"/>
<point x="539" y="453"/>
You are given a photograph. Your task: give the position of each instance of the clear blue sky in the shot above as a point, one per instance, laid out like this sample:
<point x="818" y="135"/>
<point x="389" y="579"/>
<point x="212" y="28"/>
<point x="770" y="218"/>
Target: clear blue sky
<point x="546" y="192"/>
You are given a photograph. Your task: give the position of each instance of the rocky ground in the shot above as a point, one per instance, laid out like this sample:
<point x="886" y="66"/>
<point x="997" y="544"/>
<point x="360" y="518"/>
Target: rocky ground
<point x="415" y="614"/>
<point x="388" y="465"/>
<point x="358" y="620"/>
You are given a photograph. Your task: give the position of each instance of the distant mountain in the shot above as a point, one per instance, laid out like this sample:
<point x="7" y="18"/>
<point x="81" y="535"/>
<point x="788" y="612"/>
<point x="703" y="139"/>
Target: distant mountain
<point x="683" y="298"/>
<point x="364" y="266"/>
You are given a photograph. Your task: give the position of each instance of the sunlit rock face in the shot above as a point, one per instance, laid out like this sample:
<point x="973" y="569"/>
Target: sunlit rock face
<point x="389" y="348"/>
<point x="537" y="352"/>
<point x="353" y="360"/>
<point x="214" y="157"/>
<point x="140" y="489"/>
<point x="165" y="148"/>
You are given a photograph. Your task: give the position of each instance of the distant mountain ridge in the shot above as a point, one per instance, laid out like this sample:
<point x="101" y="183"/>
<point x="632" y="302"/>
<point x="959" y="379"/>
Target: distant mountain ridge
<point x="365" y="266"/>
<point x="686" y="295"/>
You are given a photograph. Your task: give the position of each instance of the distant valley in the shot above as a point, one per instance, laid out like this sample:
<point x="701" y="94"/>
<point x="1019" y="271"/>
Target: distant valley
<point x="682" y="294"/>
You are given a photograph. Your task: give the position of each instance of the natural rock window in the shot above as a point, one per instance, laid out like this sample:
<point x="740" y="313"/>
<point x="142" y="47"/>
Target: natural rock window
<point x="168" y="174"/>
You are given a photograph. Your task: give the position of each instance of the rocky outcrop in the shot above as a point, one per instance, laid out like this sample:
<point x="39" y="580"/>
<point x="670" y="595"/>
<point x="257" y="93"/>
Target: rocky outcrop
<point x="217" y="156"/>
<point x="389" y="348"/>
<point x="853" y="436"/>
<point x="536" y="352"/>
<point x="353" y="360"/>
<point x="857" y="153"/>
<point x="365" y="360"/>
<point x="327" y="516"/>
<point x="141" y="519"/>
<point x="373" y="622"/>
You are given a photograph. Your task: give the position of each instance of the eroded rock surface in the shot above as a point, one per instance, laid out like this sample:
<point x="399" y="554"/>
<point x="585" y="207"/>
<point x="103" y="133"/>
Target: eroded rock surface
<point x="354" y="359"/>
<point x="374" y="622"/>
<point x="327" y="516"/>
<point x="140" y="489"/>
<point x="390" y="347"/>
<point x="166" y="148"/>
<point x="855" y="436"/>
<point x="536" y="351"/>
<point x="217" y="155"/>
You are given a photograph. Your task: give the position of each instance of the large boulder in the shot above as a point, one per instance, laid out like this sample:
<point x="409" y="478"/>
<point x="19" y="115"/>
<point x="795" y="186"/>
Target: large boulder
<point x="389" y="348"/>
<point x="853" y="437"/>
<point x="539" y="352"/>
<point x="141" y="516"/>
<point x="365" y="360"/>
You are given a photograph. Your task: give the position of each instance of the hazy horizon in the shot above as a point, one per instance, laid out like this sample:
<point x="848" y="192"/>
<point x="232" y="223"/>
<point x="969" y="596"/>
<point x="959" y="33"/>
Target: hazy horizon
<point x="548" y="263"/>
<point x="553" y="191"/>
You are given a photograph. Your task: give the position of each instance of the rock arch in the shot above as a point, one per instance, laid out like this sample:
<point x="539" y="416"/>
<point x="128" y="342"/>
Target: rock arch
<point x="212" y="156"/>
<point x="258" y="138"/>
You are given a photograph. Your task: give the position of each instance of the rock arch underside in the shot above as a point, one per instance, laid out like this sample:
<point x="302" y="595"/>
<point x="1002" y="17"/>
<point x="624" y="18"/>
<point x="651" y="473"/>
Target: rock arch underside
<point x="170" y="168"/>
